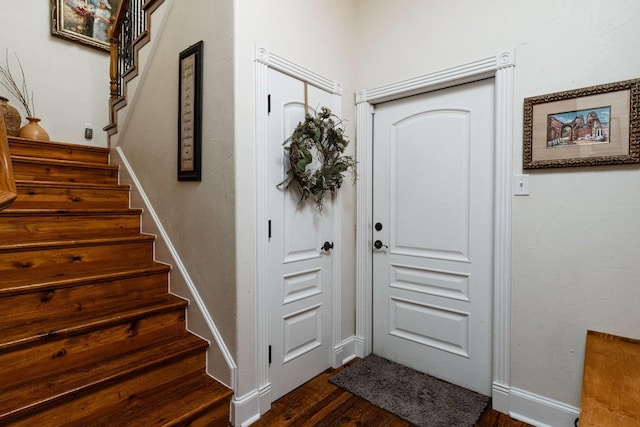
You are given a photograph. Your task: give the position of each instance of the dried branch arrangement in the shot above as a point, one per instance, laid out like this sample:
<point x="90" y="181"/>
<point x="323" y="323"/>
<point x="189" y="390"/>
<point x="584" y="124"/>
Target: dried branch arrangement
<point x="20" y="92"/>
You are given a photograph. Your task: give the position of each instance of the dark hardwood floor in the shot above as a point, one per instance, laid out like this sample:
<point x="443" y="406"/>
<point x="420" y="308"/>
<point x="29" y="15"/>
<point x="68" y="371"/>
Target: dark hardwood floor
<point x="320" y="403"/>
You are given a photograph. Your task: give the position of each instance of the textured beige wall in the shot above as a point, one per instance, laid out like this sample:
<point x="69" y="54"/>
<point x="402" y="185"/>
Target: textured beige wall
<point x="70" y="81"/>
<point x="576" y="237"/>
<point x="199" y="217"/>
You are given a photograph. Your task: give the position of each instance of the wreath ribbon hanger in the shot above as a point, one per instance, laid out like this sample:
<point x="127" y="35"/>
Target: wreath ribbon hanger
<point x="306" y="99"/>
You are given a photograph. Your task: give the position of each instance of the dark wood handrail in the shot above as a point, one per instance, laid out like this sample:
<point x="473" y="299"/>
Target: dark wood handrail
<point x="116" y="21"/>
<point x="8" y="191"/>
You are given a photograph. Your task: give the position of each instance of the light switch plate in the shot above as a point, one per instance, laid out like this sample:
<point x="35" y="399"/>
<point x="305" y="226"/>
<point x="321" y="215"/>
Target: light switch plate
<point x="88" y="131"/>
<point x="520" y="185"/>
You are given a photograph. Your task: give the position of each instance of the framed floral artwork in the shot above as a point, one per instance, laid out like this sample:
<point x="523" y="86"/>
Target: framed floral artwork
<point x="83" y="21"/>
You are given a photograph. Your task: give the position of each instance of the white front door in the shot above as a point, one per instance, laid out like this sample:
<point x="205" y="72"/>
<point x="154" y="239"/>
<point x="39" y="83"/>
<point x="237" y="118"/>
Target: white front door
<point x="433" y="187"/>
<point x="299" y="270"/>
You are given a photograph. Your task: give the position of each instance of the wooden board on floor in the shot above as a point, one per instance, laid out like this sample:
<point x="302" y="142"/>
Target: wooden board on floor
<point x="611" y="381"/>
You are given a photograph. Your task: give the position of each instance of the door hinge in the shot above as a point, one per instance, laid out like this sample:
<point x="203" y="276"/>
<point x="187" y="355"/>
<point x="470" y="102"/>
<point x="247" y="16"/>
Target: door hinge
<point x="269" y="229"/>
<point x="269" y="104"/>
<point x="269" y="355"/>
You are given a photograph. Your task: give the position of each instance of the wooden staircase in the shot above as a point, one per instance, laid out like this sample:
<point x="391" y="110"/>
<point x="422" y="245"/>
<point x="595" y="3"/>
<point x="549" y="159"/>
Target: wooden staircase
<point x="89" y="335"/>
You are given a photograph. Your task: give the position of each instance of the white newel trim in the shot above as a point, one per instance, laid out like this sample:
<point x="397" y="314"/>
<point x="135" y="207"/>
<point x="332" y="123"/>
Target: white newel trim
<point x="500" y="67"/>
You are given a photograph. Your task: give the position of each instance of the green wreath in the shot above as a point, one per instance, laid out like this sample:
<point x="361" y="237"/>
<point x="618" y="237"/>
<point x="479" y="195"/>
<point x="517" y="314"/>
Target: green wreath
<point x="316" y="160"/>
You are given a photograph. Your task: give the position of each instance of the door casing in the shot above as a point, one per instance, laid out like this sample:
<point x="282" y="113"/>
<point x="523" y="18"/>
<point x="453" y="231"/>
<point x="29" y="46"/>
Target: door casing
<point x="501" y="67"/>
<point x="263" y="60"/>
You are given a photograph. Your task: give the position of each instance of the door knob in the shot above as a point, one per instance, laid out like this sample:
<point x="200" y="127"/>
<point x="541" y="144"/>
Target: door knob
<point x="378" y="244"/>
<point x="327" y="246"/>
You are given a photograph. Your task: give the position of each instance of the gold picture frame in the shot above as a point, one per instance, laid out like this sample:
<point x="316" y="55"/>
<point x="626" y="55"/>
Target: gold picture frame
<point x="83" y="21"/>
<point x="591" y="126"/>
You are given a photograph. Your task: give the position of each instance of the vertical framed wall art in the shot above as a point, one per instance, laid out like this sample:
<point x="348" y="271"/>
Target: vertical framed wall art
<point x="190" y="114"/>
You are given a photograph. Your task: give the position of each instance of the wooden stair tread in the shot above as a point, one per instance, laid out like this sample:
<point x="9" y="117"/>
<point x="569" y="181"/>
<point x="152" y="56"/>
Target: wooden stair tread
<point x="30" y="246"/>
<point x="38" y="169"/>
<point x="90" y="334"/>
<point x="73" y="278"/>
<point x="69" y="212"/>
<point x="164" y="405"/>
<point x="58" y="184"/>
<point x="36" y="386"/>
<point x="62" y="150"/>
<point x="69" y="194"/>
<point x="73" y="163"/>
<point x="19" y="332"/>
<point x="39" y="225"/>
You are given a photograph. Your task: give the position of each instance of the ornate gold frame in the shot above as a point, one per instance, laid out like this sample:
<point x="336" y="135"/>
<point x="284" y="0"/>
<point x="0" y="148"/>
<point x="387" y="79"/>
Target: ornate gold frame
<point x="622" y="144"/>
<point x="58" y="26"/>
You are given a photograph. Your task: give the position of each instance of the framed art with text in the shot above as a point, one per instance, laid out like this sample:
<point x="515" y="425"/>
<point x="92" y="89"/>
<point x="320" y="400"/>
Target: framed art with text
<point x="591" y="126"/>
<point x="190" y="114"/>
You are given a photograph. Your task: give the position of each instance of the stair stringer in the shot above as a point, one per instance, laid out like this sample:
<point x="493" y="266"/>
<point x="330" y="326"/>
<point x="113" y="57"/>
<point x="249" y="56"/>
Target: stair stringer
<point x="220" y="363"/>
<point x="144" y="51"/>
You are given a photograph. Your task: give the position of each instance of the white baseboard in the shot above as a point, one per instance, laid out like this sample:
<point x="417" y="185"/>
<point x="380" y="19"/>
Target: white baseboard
<point x="500" y="398"/>
<point x="360" y="347"/>
<point x="245" y="410"/>
<point x="540" y="411"/>
<point x="344" y="352"/>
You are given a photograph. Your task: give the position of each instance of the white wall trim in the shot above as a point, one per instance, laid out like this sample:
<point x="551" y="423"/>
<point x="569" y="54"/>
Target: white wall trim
<point x="364" y="224"/>
<point x="245" y="410"/>
<point x="500" y="67"/>
<point x="336" y="255"/>
<point x="276" y="62"/>
<point x="263" y="60"/>
<point x="262" y="313"/>
<point x="177" y="262"/>
<point x="504" y="87"/>
<point x="541" y="411"/>
<point x="345" y="351"/>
